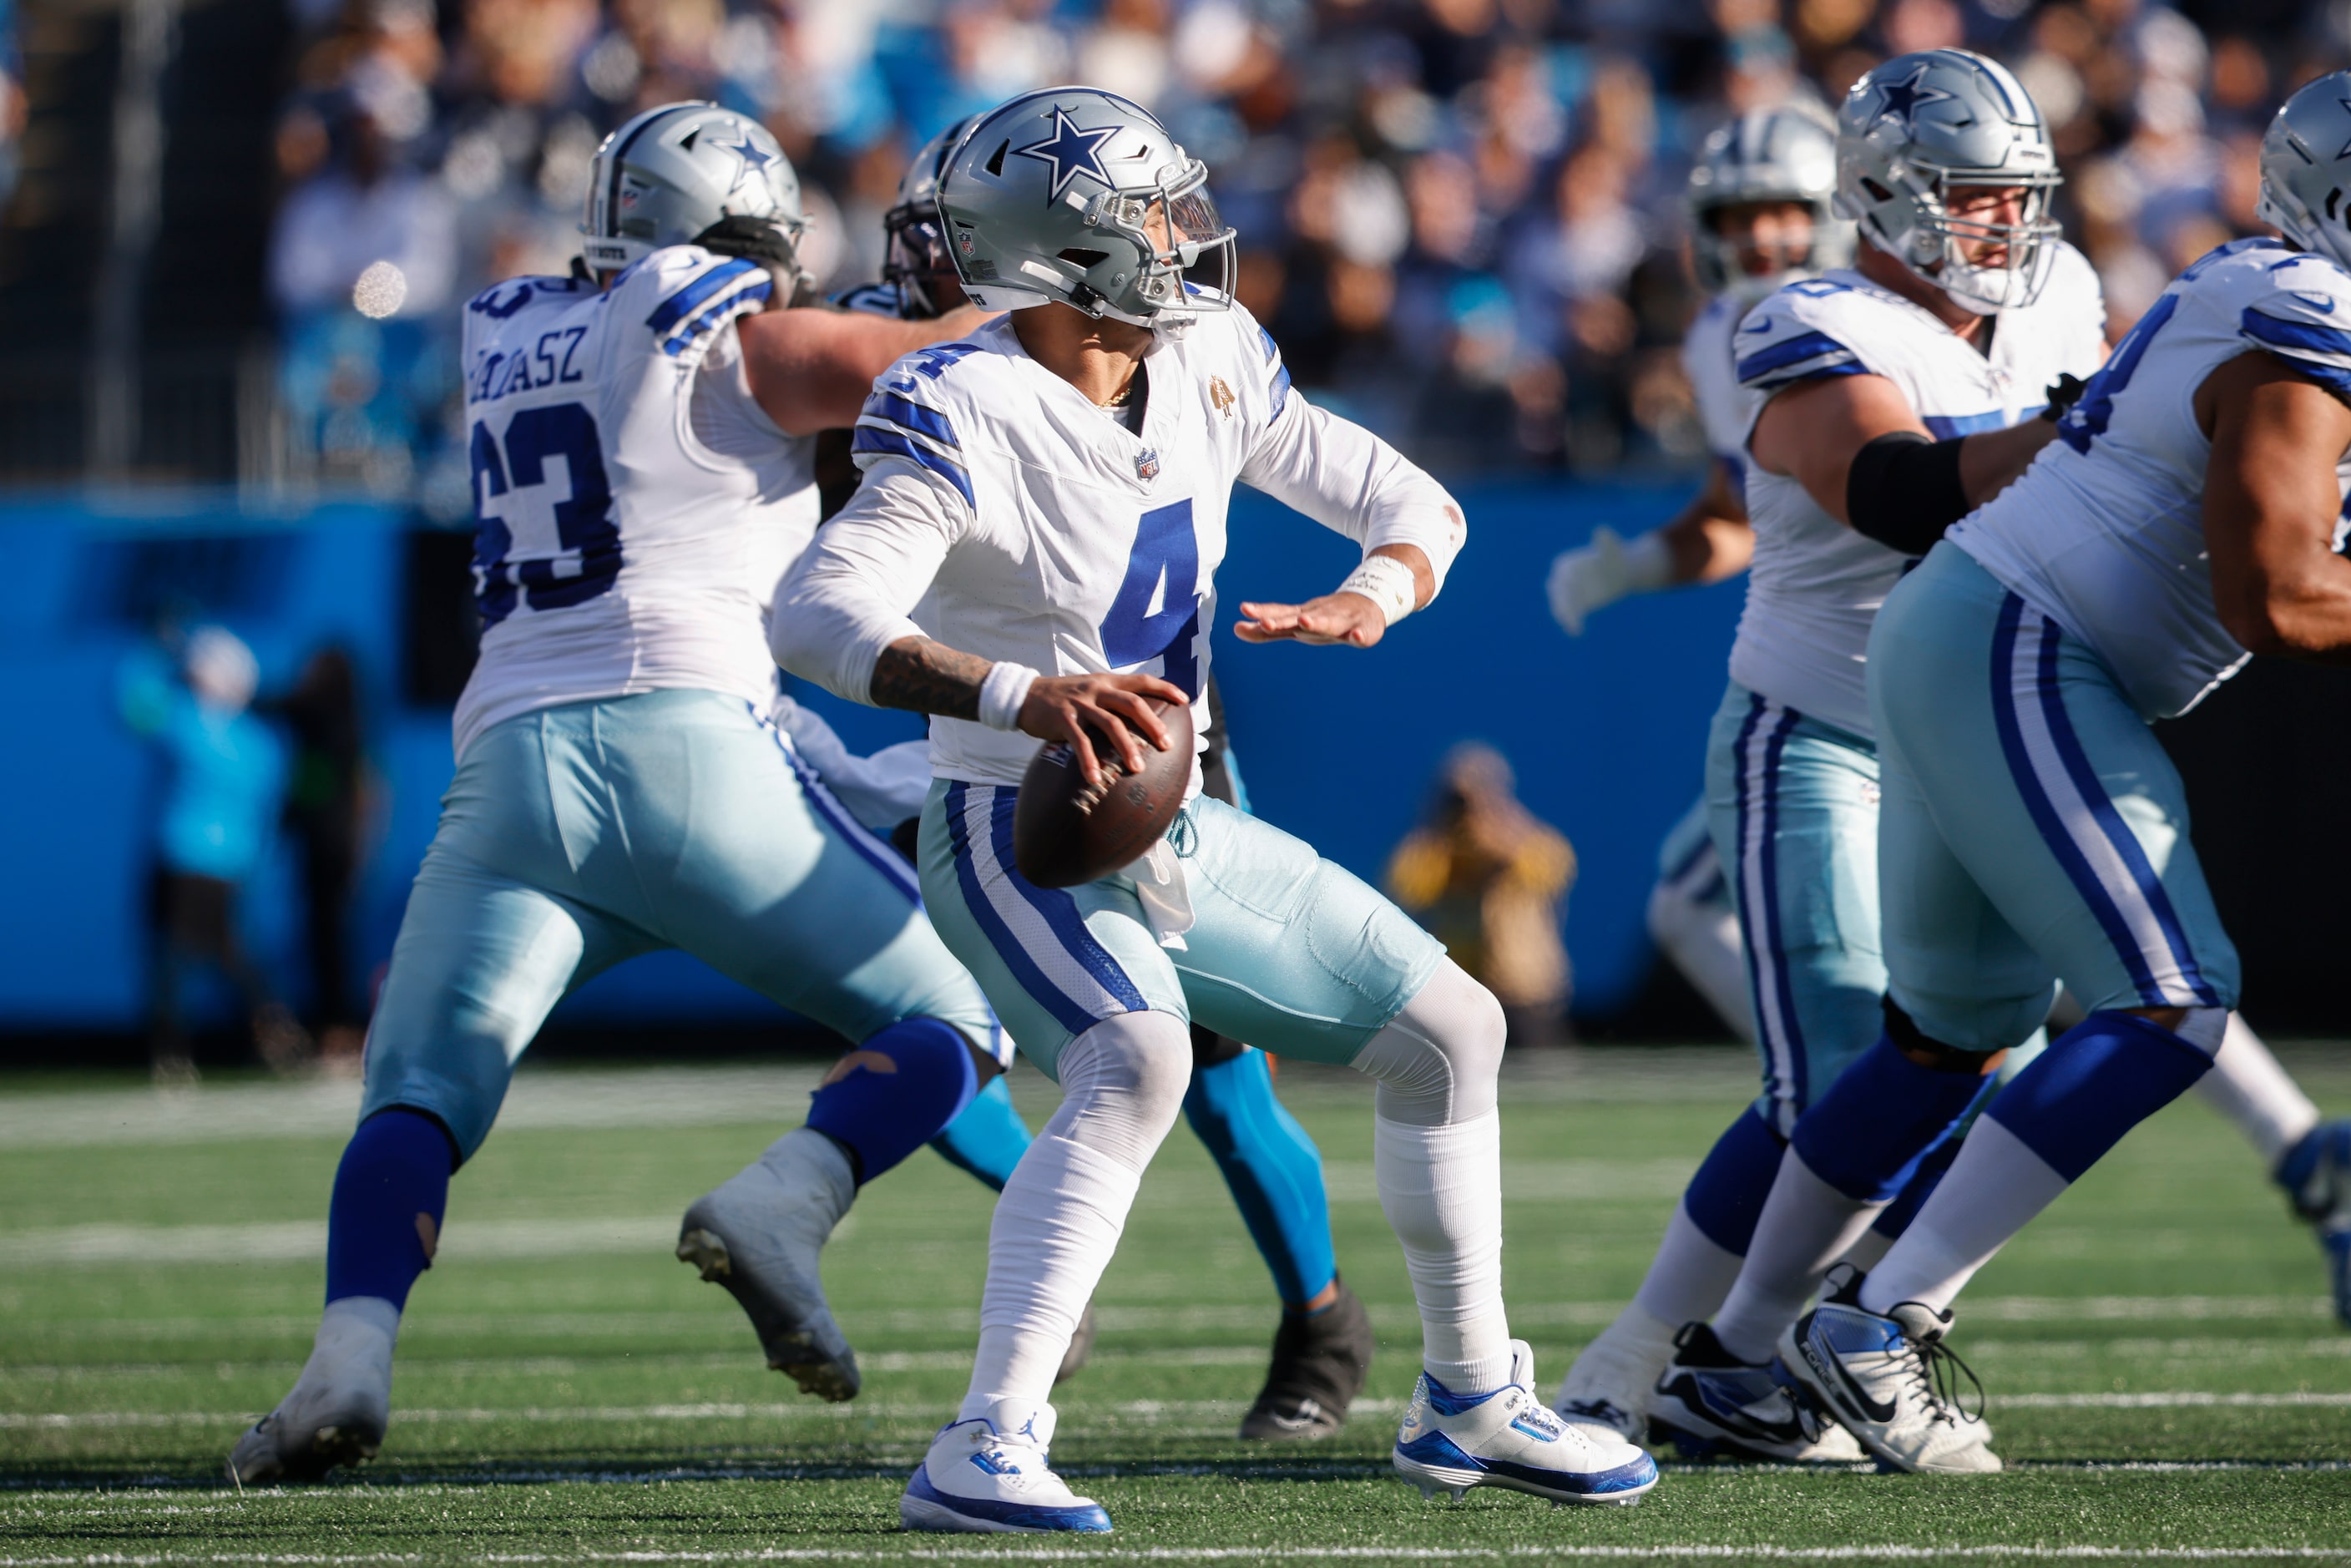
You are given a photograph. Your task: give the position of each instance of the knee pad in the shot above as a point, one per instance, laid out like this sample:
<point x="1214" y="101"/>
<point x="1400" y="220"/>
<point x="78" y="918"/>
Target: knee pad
<point x="1436" y="1060"/>
<point x="1123" y="1085"/>
<point x="1931" y="1053"/>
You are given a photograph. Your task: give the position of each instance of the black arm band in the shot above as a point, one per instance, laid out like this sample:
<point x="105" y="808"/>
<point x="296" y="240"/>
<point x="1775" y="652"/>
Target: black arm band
<point x="1903" y="490"/>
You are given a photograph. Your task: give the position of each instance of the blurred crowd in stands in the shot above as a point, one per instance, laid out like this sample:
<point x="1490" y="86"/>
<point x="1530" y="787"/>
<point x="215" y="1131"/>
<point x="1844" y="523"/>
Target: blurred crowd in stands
<point x="1460" y="218"/>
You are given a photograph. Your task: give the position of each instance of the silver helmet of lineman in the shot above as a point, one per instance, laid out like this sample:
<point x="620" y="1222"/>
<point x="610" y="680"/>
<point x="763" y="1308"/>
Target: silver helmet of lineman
<point x="1923" y="125"/>
<point x="1077" y="195"/>
<point x="2306" y="168"/>
<point x="915" y="260"/>
<point x="693" y="174"/>
<point x="1783" y="154"/>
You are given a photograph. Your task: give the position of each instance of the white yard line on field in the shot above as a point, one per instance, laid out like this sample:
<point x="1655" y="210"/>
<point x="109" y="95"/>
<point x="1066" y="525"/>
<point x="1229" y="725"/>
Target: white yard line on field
<point x="1744" y="1552"/>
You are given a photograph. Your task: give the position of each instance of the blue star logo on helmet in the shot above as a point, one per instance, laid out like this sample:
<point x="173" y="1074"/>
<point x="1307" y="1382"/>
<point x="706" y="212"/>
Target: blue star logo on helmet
<point x="1070" y="152"/>
<point x="1904" y="98"/>
<point x="743" y="147"/>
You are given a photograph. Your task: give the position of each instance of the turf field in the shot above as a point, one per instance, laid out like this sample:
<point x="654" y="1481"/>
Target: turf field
<point x="2165" y="1381"/>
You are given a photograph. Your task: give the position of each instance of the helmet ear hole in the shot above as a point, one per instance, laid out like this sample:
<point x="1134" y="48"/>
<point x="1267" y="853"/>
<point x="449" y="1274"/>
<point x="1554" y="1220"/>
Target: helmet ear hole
<point x="1877" y="193"/>
<point x="996" y="159"/>
<point x="1080" y="256"/>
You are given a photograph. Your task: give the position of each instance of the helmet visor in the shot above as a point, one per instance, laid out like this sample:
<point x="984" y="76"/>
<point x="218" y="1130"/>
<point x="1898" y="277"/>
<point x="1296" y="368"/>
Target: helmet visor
<point x="1202" y="245"/>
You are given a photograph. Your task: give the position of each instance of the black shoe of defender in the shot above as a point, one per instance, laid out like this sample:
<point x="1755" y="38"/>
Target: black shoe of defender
<point x="1318" y="1366"/>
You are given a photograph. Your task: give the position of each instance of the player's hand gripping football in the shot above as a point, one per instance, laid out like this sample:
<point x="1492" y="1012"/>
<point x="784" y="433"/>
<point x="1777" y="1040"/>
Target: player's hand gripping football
<point x="1084" y="711"/>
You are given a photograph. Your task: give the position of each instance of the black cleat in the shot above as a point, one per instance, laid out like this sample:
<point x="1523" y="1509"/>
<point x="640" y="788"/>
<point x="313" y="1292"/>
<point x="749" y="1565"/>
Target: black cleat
<point x="1318" y="1366"/>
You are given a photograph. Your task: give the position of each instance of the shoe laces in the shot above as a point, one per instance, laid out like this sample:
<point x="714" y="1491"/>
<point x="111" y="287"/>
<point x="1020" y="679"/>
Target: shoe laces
<point x="1933" y="1370"/>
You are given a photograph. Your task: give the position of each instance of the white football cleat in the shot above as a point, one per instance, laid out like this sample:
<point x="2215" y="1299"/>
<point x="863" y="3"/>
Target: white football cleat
<point x="339" y="1407"/>
<point x="991" y="1474"/>
<point x="1708" y="1402"/>
<point x="1888" y="1379"/>
<point x="761" y="1234"/>
<point x="1509" y="1438"/>
<point x="1608" y="1386"/>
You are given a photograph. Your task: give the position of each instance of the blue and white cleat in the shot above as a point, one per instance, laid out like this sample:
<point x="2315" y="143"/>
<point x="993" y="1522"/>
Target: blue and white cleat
<point x="1890" y="1380"/>
<point x="991" y="1475"/>
<point x="1451" y="1442"/>
<point x="2317" y="1176"/>
<point x="1708" y="1402"/>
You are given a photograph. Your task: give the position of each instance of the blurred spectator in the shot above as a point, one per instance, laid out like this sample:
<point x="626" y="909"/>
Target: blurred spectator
<point x="12" y="98"/>
<point x="223" y="772"/>
<point x="1461" y="218"/>
<point x="1488" y="879"/>
<point x="325" y="812"/>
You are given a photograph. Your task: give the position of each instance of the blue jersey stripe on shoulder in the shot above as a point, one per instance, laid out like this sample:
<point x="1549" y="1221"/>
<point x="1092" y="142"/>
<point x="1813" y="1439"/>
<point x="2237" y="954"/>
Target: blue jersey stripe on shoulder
<point x="1943" y="426"/>
<point x="1280" y="390"/>
<point x="686" y="300"/>
<point x="2296" y="340"/>
<point x="1272" y="354"/>
<point x="742" y="302"/>
<point x="889" y="405"/>
<point x="889" y="441"/>
<point x="1794" y="351"/>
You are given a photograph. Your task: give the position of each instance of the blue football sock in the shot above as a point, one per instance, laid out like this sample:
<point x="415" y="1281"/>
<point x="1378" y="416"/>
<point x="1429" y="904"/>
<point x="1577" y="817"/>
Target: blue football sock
<point x="897" y="1091"/>
<point x="988" y="1138"/>
<point x="1884" y="1113"/>
<point x="390" y="1192"/>
<point x="1727" y="1194"/>
<point x="2102" y="1078"/>
<point x="1273" y="1168"/>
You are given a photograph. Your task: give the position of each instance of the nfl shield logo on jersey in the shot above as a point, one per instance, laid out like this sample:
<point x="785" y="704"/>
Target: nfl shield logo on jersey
<point x="1147" y="464"/>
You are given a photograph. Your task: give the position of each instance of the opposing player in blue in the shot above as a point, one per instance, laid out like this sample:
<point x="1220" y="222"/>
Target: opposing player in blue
<point x="2034" y="830"/>
<point x="1322" y="1346"/>
<point x="1881" y="402"/>
<point x="1052" y="492"/>
<point x="639" y="441"/>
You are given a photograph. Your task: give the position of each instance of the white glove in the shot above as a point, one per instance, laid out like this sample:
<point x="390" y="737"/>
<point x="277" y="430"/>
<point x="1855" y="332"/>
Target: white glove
<point x="1599" y="574"/>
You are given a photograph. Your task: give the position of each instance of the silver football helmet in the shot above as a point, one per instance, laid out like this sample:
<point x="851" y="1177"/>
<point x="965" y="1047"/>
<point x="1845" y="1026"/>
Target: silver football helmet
<point x="2305" y="172"/>
<point x="693" y="173"/>
<point x="915" y="260"/>
<point x="1784" y="155"/>
<point x="1922" y="125"/>
<point x="1077" y="195"/>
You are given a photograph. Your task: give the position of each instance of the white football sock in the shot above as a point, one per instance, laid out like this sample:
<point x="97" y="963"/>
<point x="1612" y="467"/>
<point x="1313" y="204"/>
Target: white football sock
<point x="1633" y="1350"/>
<point x="1806" y="1225"/>
<point x="1703" y="941"/>
<point x="2248" y="1086"/>
<point x="1060" y="1216"/>
<point x="1688" y="1278"/>
<point x="1991" y="1192"/>
<point x="1871" y="1246"/>
<point x="1441" y="1188"/>
<point x="352" y="1353"/>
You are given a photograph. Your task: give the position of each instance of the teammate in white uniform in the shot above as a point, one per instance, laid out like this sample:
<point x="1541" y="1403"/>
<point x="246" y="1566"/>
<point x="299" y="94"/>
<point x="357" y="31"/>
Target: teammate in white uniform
<point x="1882" y="399"/>
<point x="1759" y="202"/>
<point x="1051" y="495"/>
<point x="640" y="476"/>
<point x="2036" y="830"/>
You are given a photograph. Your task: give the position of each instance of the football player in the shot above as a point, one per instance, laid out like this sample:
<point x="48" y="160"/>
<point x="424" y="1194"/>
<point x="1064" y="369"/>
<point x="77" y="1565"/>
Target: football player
<point x="1322" y="1346"/>
<point x="2034" y="830"/>
<point x="1053" y="490"/>
<point x="641" y="473"/>
<point x="1882" y="400"/>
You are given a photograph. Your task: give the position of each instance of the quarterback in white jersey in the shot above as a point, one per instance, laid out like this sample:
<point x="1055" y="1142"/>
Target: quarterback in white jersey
<point x="2036" y="830"/>
<point x="638" y="439"/>
<point x="1031" y="557"/>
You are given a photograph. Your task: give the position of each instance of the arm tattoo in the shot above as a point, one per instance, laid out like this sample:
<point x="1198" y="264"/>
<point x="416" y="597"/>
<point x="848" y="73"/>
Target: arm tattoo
<point x="928" y="677"/>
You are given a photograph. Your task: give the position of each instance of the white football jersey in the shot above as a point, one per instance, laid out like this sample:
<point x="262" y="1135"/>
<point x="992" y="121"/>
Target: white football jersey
<point x="1722" y="407"/>
<point x="1004" y="515"/>
<point x="1816" y="584"/>
<point x="2105" y="533"/>
<point x="633" y="507"/>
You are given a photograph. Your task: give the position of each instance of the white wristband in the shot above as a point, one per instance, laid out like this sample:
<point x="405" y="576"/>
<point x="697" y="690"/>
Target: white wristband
<point x="1386" y="582"/>
<point x="1002" y="692"/>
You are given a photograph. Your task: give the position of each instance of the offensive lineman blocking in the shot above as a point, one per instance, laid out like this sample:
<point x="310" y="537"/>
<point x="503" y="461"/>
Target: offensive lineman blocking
<point x="999" y="474"/>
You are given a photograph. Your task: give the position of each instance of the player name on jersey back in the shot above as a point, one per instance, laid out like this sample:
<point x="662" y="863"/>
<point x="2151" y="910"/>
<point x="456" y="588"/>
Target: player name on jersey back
<point x="1816" y="585"/>
<point x="2105" y="533"/>
<point x="617" y="551"/>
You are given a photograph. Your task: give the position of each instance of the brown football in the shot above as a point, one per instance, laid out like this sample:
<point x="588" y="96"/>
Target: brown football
<point x="1064" y="832"/>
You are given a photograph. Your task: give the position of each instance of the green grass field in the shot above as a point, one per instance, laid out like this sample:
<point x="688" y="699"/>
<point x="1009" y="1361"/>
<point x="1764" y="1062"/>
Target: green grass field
<point x="2166" y="1380"/>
